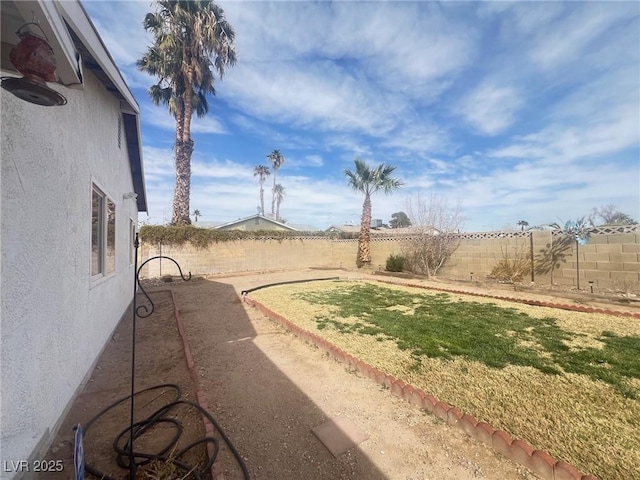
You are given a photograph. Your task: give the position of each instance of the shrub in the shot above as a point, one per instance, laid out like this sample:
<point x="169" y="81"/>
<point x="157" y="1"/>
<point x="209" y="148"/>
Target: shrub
<point x="395" y="263"/>
<point x="512" y="268"/>
<point x="204" y="237"/>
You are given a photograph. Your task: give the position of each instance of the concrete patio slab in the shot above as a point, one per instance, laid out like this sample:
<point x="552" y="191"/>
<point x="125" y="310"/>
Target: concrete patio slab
<point x="339" y="435"/>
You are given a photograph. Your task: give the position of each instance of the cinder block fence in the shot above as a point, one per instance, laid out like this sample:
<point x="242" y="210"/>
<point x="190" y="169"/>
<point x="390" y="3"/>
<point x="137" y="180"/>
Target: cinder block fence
<point x="610" y="259"/>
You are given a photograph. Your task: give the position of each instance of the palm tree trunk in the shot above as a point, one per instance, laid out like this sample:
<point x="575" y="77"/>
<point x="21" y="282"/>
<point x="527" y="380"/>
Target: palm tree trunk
<point x="273" y="191"/>
<point x="261" y="200"/>
<point x="364" y="240"/>
<point x="278" y="210"/>
<point x="184" y="147"/>
<point x="183" y="184"/>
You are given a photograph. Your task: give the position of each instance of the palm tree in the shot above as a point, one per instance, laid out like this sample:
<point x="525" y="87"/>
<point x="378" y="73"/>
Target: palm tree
<point x="277" y="159"/>
<point x="192" y="42"/>
<point x="262" y="172"/>
<point x="279" y="191"/>
<point x="196" y="213"/>
<point x="369" y="182"/>
<point x="523" y="223"/>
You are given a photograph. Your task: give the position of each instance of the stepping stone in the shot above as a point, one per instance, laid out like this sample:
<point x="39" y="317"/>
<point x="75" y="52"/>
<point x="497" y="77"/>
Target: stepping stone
<point x="339" y="434"/>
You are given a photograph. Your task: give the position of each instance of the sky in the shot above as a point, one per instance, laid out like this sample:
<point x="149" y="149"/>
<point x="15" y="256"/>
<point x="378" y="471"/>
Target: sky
<point x="513" y="111"/>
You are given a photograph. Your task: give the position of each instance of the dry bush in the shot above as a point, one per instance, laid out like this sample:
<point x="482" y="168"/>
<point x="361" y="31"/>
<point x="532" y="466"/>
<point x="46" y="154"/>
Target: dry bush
<point x="512" y="267"/>
<point x="434" y="235"/>
<point x="628" y="288"/>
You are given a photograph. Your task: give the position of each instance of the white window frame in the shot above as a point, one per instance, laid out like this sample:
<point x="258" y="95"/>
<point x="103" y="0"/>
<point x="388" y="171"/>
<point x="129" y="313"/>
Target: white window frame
<point x="104" y="267"/>
<point x="133" y="228"/>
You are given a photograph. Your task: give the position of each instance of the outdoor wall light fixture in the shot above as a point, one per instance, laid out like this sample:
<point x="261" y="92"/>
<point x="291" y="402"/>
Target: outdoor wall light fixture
<point x="471" y="276"/>
<point x="591" y="285"/>
<point x="33" y="57"/>
<point x="129" y="196"/>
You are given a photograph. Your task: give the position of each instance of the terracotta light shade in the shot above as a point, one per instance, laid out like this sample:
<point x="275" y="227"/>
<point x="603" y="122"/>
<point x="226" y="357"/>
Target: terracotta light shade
<point x="33" y="57"/>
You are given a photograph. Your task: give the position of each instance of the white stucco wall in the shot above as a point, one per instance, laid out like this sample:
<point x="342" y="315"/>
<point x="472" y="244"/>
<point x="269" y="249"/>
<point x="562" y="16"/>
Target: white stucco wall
<point x="55" y="320"/>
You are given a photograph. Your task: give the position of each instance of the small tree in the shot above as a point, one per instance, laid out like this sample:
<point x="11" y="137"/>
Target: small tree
<point x="399" y="220"/>
<point x="610" y="215"/>
<point x="196" y="213"/>
<point x="436" y="227"/>
<point x="522" y="224"/>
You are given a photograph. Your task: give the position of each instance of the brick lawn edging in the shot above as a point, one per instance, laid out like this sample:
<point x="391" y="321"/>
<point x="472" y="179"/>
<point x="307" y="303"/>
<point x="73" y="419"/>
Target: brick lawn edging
<point x="216" y="468"/>
<point x="519" y="451"/>
<point x="536" y="303"/>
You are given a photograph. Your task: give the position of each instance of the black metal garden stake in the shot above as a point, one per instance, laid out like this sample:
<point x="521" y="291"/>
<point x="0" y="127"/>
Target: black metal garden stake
<point x="143" y="311"/>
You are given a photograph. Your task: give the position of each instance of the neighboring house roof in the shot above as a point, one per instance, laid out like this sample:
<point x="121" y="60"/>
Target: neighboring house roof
<point x="201" y="224"/>
<point x="261" y="218"/>
<point x="73" y="37"/>
<point x="304" y="228"/>
<point x="344" y="228"/>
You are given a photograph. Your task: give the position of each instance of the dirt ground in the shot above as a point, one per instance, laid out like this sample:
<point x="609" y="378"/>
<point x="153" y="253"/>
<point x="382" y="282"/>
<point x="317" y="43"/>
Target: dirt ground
<point x="268" y="389"/>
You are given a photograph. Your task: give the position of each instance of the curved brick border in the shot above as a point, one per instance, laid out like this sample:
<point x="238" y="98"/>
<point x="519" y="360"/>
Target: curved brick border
<point x="537" y="303"/>
<point x="216" y="468"/>
<point x="538" y="461"/>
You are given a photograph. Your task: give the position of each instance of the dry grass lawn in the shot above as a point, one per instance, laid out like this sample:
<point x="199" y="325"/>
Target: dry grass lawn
<point x="583" y="420"/>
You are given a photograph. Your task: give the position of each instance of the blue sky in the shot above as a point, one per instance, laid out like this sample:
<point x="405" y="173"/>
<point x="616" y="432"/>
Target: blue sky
<point x="524" y="110"/>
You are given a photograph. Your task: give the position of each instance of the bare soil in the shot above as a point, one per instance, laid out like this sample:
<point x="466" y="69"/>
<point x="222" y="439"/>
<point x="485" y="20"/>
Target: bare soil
<point x="268" y="389"/>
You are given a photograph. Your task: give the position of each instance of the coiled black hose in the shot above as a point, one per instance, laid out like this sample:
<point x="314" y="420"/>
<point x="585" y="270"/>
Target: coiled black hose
<point x="123" y="453"/>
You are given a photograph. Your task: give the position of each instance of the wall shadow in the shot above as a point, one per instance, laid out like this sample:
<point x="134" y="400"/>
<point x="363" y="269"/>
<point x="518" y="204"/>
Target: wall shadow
<point x="551" y="258"/>
<point x="267" y="416"/>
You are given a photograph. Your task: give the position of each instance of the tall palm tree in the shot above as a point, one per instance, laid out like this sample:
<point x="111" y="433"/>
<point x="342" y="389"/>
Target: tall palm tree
<point x="368" y="181"/>
<point x="262" y="172"/>
<point x="196" y="213"/>
<point x="522" y="223"/>
<point x="277" y="159"/>
<point x="279" y="191"/>
<point x="192" y="42"/>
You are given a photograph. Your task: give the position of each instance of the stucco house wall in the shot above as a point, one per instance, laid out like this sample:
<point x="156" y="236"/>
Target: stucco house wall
<point x="56" y="317"/>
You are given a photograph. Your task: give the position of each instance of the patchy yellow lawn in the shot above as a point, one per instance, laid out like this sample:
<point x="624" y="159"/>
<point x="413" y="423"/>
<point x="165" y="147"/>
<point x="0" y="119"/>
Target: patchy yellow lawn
<point x="576" y="419"/>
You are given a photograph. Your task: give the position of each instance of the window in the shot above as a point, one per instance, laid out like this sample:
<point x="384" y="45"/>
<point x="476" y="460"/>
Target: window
<point x="103" y="233"/>
<point x="132" y="239"/>
<point x="97" y="221"/>
<point x="111" y="236"/>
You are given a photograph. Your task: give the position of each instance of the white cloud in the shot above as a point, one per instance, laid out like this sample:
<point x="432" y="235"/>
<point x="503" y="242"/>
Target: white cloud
<point x="320" y="96"/>
<point x="552" y="87"/>
<point x="569" y="37"/>
<point x="159" y="116"/>
<point x="119" y="24"/>
<point x="314" y="160"/>
<point x="158" y="162"/>
<point x="418" y="137"/>
<point x="216" y="169"/>
<point x="491" y="108"/>
<point x="563" y="144"/>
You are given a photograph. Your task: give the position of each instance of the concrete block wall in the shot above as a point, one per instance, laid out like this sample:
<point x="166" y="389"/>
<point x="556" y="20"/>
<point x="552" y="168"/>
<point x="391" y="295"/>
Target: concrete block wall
<point x="611" y="261"/>
<point x="239" y="256"/>
<point x="478" y="256"/>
